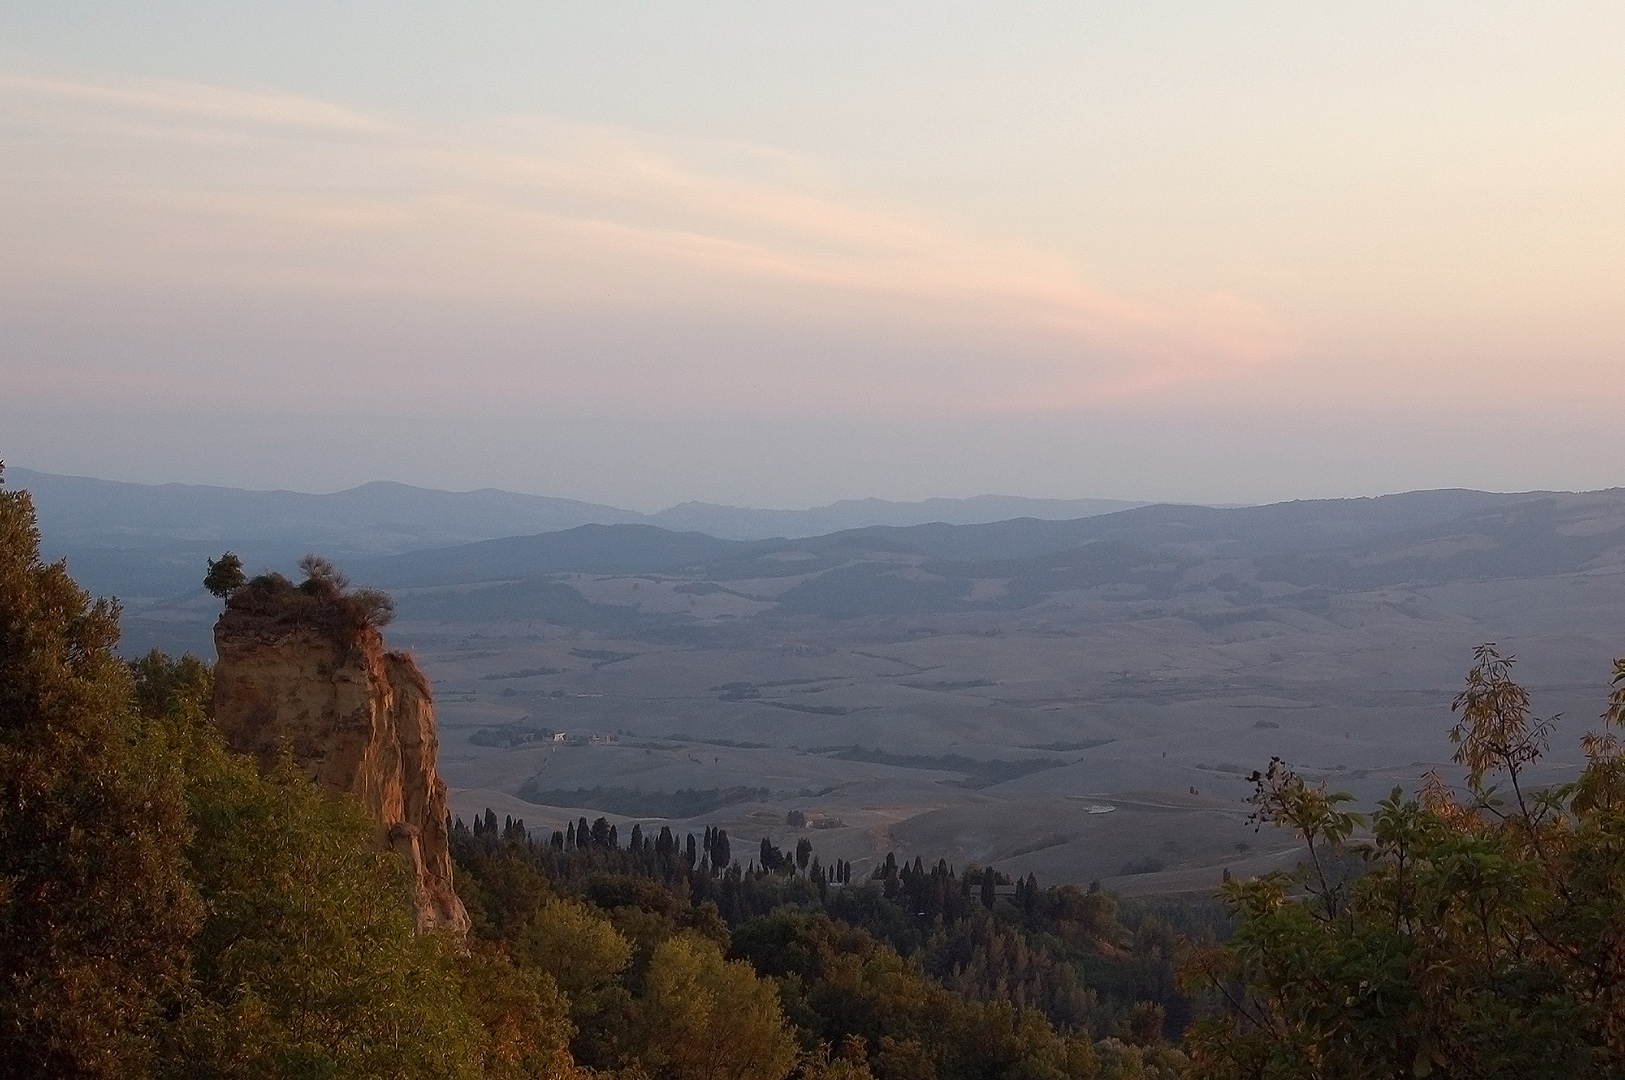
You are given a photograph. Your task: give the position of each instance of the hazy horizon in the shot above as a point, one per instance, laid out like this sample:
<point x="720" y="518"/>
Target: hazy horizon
<point x="765" y="257"/>
<point x="13" y="468"/>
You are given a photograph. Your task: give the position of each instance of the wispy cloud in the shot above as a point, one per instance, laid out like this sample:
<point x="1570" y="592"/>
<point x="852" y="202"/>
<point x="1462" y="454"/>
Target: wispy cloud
<point x="175" y="191"/>
<point x="194" y="100"/>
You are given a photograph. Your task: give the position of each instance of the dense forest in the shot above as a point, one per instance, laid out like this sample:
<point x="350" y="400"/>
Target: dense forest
<point x="168" y="909"/>
<point x="929" y="971"/>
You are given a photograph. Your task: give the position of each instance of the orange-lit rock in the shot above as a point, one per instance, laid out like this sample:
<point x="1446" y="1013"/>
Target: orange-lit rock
<point x="358" y="718"/>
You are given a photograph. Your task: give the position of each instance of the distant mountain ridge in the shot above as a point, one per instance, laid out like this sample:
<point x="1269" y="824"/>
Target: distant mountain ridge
<point x="743" y="523"/>
<point x="1317" y="530"/>
<point x="1215" y="567"/>
<point x="149" y="539"/>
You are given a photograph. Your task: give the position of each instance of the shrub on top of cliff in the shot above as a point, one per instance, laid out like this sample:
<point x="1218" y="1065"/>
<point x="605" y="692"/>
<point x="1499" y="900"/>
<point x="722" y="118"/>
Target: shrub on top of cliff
<point x="322" y="578"/>
<point x="324" y="582"/>
<point x="324" y="599"/>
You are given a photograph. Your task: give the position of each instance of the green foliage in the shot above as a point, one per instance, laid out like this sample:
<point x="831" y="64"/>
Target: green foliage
<point x="706" y="1018"/>
<point x="95" y="907"/>
<point x="1482" y="939"/>
<point x="167" y="911"/>
<point x="682" y="803"/>
<point x="308" y="963"/>
<point x="176" y="692"/>
<point x="525" y="1018"/>
<point x="225" y="575"/>
<point x="576" y="944"/>
<point x="978" y="773"/>
<point x="910" y="965"/>
<point x="172" y="912"/>
<point x="851" y="1064"/>
<point x="323" y="600"/>
<point x="839" y="981"/>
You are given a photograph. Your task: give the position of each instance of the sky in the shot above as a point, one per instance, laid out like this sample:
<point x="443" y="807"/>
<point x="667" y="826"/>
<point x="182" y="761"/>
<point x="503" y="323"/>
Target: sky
<point x="780" y="254"/>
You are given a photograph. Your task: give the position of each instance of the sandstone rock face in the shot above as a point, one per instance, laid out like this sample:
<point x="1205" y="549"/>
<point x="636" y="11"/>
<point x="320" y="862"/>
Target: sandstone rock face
<point x="358" y="718"/>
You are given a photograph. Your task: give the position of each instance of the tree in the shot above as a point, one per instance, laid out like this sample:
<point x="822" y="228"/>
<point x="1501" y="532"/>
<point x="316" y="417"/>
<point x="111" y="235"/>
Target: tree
<point x="706" y="1018"/>
<point x="525" y="1017"/>
<point x="852" y="1064"/>
<point x="721" y="855"/>
<point x="308" y="962"/>
<point x="576" y="945"/>
<point x="225" y="575"/>
<point x="95" y="907"/>
<point x="1467" y="936"/>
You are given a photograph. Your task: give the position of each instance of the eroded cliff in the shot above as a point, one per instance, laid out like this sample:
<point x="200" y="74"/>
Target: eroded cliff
<point x="310" y="674"/>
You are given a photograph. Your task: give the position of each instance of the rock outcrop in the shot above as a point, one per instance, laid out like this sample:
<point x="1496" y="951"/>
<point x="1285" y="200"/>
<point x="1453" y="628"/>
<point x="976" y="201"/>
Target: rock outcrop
<point x="312" y="676"/>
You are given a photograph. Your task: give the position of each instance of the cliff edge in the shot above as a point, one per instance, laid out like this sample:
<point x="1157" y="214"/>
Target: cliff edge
<point x="304" y="668"/>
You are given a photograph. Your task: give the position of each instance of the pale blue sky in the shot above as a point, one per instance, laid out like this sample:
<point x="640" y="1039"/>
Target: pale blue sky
<point x="782" y="254"/>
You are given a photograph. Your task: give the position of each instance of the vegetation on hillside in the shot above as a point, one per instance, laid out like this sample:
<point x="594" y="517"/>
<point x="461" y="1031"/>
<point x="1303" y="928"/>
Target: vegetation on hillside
<point x="168" y="910"/>
<point x="914" y="971"/>
<point x="1452" y="936"/>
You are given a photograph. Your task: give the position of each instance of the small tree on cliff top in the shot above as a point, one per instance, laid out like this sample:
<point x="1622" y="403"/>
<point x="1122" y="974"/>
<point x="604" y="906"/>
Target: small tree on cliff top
<point x="225" y="575"/>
